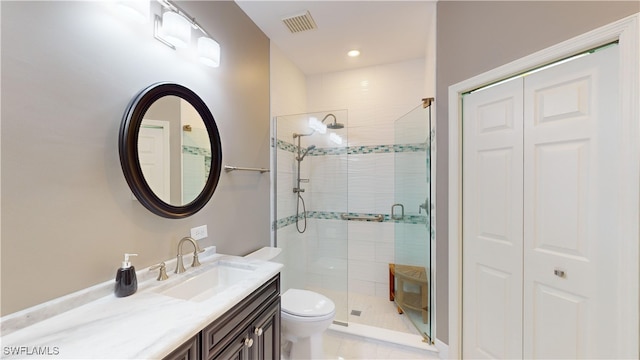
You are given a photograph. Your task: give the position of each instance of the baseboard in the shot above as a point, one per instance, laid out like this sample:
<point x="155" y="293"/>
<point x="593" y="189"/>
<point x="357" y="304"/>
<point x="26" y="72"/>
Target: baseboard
<point x="442" y="348"/>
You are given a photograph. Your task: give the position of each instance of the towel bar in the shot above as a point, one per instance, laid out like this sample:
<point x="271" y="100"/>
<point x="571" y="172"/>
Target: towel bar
<point x="228" y="168"/>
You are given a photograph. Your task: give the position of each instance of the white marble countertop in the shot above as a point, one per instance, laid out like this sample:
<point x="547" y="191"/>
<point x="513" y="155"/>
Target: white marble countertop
<point x="145" y="325"/>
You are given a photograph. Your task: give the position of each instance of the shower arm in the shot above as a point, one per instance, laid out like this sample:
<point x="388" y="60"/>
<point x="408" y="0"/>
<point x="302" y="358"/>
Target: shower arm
<point x="334" y="118"/>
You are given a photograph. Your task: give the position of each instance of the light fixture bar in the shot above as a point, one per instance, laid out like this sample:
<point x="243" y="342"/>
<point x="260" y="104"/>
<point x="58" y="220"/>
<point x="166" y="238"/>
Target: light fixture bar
<point x="173" y="7"/>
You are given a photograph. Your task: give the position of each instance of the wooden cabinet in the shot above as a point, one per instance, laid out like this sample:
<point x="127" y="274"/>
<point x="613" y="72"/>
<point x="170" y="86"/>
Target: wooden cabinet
<point x="259" y="340"/>
<point x="250" y="330"/>
<point x="267" y="332"/>
<point x="190" y="350"/>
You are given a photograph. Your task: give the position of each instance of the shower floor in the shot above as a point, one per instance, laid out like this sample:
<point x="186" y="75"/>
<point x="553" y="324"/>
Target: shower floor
<point x="373" y="311"/>
<point x="378" y="312"/>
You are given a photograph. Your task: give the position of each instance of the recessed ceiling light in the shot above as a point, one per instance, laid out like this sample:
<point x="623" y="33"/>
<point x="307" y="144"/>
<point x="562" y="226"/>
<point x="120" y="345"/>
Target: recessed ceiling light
<point x="353" y="53"/>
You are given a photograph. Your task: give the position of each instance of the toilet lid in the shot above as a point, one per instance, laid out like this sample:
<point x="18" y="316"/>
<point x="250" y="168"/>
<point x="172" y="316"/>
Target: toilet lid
<point x="305" y="303"/>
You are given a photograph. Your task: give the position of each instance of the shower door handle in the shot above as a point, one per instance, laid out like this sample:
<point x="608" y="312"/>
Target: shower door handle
<point x="393" y="215"/>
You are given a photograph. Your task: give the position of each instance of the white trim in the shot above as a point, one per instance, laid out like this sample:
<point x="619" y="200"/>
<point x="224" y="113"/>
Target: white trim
<point x="443" y="349"/>
<point x="626" y="31"/>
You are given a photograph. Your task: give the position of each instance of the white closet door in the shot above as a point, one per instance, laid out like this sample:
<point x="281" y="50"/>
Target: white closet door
<point x="492" y="228"/>
<point x="153" y="154"/>
<point x="571" y="150"/>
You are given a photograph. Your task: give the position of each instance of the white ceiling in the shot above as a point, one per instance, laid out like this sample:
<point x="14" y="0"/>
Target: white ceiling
<point x="383" y="31"/>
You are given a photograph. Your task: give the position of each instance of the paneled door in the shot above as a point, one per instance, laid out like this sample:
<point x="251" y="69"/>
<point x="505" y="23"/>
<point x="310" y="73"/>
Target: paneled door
<point x="492" y="228"/>
<point x="540" y="205"/>
<point x="571" y="169"/>
<point x="153" y="153"/>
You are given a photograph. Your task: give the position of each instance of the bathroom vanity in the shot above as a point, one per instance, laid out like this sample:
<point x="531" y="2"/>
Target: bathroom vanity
<point x="229" y="307"/>
<point x="250" y="330"/>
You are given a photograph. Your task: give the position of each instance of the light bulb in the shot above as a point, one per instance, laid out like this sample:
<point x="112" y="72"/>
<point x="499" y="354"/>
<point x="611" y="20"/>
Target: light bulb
<point x="209" y="51"/>
<point x="176" y="29"/>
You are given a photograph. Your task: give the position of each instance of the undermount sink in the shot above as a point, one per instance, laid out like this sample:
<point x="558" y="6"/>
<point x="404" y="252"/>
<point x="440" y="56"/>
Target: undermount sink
<point x="209" y="283"/>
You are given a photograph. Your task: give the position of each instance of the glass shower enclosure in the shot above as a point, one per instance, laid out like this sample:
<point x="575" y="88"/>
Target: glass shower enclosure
<point x="310" y="196"/>
<point x="412" y="214"/>
<point x="346" y="213"/>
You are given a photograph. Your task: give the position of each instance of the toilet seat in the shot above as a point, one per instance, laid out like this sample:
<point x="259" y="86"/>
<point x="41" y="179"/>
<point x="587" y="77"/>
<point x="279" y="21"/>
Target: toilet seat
<point x="286" y="317"/>
<point x="299" y="303"/>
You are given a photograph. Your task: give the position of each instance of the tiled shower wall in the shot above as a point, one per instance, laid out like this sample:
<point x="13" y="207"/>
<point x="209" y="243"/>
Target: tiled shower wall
<point x="375" y="98"/>
<point x="356" y="177"/>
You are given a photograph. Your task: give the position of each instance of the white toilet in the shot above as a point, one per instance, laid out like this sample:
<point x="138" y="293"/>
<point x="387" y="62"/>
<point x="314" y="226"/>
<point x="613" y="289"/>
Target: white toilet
<point x="305" y="315"/>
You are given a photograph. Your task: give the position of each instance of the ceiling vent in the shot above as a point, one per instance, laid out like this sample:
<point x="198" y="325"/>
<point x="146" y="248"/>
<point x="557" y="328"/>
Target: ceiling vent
<point x="300" y="23"/>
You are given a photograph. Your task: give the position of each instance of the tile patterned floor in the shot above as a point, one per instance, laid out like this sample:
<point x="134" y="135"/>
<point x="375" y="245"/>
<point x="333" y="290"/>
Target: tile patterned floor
<point x="379" y="312"/>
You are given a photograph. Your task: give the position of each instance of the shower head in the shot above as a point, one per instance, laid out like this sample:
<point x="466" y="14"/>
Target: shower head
<point x="306" y="151"/>
<point x="335" y="124"/>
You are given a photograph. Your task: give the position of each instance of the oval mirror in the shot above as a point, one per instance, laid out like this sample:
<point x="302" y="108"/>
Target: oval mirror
<point x="170" y="150"/>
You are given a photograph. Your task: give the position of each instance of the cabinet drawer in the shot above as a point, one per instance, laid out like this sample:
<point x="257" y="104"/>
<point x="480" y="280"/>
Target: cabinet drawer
<point x="217" y="336"/>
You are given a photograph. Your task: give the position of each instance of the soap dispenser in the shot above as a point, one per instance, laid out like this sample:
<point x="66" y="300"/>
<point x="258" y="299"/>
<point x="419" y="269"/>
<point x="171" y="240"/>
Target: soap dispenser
<point x="126" y="281"/>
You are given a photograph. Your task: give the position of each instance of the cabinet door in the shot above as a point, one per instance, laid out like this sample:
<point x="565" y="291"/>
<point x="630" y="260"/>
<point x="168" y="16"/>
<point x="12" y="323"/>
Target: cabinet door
<point x="240" y="319"/>
<point x="239" y="348"/>
<point x="266" y="332"/>
<point x="186" y="351"/>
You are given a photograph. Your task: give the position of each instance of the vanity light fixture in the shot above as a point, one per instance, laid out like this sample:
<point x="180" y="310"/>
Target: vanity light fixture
<point x="174" y="29"/>
<point x="209" y="51"/>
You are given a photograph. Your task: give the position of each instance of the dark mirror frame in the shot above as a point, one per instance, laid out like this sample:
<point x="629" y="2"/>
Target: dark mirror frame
<point x="128" y="147"/>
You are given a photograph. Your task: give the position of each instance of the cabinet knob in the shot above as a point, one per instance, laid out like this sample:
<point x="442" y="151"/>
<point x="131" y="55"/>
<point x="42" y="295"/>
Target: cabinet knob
<point x="258" y="331"/>
<point x="248" y="342"/>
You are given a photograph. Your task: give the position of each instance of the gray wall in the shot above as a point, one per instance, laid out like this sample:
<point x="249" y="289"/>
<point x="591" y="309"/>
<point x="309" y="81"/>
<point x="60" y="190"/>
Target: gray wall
<point x="68" y="71"/>
<point x="476" y="36"/>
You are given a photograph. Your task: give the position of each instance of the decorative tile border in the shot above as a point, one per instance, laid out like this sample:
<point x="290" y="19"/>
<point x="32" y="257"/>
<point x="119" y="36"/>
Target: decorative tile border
<point x="194" y="150"/>
<point x="284" y="222"/>
<point x="355" y="150"/>
<point x="332" y="215"/>
<point x="286" y="146"/>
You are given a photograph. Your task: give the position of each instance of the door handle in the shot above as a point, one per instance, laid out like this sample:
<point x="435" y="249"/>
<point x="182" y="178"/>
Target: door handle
<point x="560" y="273"/>
<point x="393" y="215"/>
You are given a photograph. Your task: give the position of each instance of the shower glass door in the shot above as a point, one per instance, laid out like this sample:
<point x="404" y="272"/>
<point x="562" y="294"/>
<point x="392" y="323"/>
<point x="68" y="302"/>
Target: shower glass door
<point x="310" y="188"/>
<point x="411" y="214"/>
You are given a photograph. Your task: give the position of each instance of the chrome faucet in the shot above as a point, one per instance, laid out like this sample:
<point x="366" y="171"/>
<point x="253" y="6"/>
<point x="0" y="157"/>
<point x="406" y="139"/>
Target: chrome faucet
<point x="196" y="262"/>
